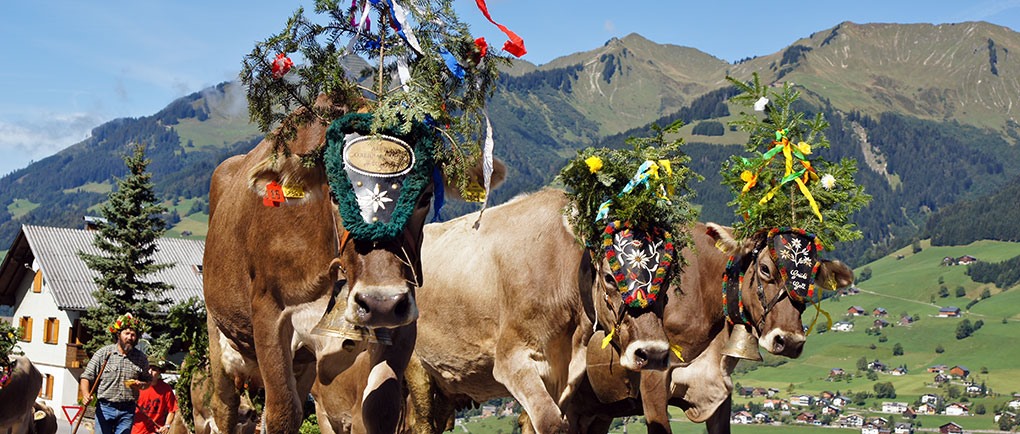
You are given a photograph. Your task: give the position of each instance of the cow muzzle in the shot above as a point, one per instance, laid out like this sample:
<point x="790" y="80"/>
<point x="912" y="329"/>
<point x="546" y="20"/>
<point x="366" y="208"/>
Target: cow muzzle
<point x="783" y="343"/>
<point x="376" y="306"/>
<point x="640" y="355"/>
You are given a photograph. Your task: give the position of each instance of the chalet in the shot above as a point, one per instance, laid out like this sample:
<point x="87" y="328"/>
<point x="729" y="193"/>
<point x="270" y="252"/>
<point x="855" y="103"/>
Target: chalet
<point x="951" y="428"/>
<point x="842" y="326"/>
<point x="806" y="417"/>
<point x="894" y="407"/>
<point x="1009" y="415"/>
<point x="966" y="260"/>
<point x="927" y="408"/>
<point x="826" y="395"/>
<point x="906" y="320"/>
<point x="49" y="288"/>
<point x="762" y="418"/>
<point x="853" y="420"/>
<point x="941" y="378"/>
<point x="856" y="311"/>
<point x="909" y="413"/>
<point x="959" y="371"/>
<point x="830" y="410"/>
<point x="775" y="404"/>
<point x="879" y="311"/>
<point x="772" y="392"/>
<point x="742" y="417"/>
<point x="876" y="366"/>
<point x="898" y="371"/>
<point x="1014" y="404"/>
<point x="957" y="409"/>
<point x="869" y="429"/>
<point x="880" y="323"/>
<point x="949" y="312"/>
<point x="488" y="410"/>
<point x="937" y="369"/>
<point x="840" y="401"/>
<point x="802" y="400"/>
<point x="877" y="421"/>
<point x="933" y="399"/>
<point x="903" y="428"/>
<point x="974" y="389"/>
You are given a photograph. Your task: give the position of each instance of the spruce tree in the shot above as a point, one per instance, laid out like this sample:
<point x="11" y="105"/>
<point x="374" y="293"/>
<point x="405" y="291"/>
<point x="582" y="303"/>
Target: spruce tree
<point x="127" y="241"/>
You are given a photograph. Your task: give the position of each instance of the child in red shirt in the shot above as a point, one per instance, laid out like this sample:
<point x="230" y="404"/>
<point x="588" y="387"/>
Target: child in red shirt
<point x="157" y="404"/>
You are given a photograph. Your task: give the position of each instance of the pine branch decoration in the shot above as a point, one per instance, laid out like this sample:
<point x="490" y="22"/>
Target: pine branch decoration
<point x="784" y="183"/>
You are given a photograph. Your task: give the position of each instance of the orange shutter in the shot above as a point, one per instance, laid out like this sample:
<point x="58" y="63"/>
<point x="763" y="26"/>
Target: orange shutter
<point x="26" y="329"/>
<point x="37" y="282"/>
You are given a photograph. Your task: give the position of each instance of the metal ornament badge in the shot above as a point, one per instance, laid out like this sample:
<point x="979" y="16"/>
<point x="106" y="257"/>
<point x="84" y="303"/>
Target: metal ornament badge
<point x="377" y="166"/>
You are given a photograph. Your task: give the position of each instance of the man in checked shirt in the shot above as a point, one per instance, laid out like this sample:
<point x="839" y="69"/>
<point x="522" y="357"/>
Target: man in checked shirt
<point x="122" y="371"/>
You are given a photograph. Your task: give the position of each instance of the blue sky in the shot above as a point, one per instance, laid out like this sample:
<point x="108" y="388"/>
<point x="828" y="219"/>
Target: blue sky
<point x="70" y="65"/>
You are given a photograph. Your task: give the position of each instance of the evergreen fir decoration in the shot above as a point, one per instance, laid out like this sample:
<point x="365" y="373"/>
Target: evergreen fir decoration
<point x="645" y="185"/>
<point x="429" y="71"/>
<point x="9" y="337"/>
<point x="783" y="183"/>
<point x="134" y="221"/>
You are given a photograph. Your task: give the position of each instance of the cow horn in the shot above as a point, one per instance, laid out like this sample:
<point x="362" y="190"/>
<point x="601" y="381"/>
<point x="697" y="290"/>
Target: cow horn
<point x="742" y="345"/>
<point x="333" y="322"/>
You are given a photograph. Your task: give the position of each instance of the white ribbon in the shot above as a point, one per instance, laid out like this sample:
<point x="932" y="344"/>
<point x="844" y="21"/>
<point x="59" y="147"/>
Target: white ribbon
<point x="401" y="14"/>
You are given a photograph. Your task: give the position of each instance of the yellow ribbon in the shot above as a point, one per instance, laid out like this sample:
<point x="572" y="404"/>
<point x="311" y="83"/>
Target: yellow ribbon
<point x="678" y="351"/>
<point x="803" y="148"/>
<point x="608" y="338"/>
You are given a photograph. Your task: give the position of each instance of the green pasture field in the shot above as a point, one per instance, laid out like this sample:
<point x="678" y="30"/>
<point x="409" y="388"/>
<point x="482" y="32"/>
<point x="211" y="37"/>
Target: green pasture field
<point x="198" y="224"/>
<point x="215" y="132"/>
<point x="905" y="286"/>
<point x="92" y="187"/>
<point x="20" y="207"/>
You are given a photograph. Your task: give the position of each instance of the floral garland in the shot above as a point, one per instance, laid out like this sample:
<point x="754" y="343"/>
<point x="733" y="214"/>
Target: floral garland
<point x="635" y="293"/>
<point x="127" y="321"/>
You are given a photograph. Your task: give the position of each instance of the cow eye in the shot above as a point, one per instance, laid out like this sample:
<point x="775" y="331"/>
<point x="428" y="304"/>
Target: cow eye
<point x="764" y="271"/>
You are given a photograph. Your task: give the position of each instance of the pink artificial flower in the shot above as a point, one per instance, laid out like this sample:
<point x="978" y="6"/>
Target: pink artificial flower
<point x="281" y="66"/>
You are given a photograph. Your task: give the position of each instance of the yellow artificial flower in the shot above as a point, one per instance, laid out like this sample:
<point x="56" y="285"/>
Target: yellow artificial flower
<point x="594" y="163"/>
<point x="750" y="180"/>
<point x="804" y="148"/>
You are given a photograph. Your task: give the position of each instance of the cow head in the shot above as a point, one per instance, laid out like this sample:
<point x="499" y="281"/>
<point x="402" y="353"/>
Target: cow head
<point x="631" y="275"/>
<point x="769" y="280"/>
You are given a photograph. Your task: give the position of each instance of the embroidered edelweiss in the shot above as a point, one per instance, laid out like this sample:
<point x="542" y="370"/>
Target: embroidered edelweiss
<point x="795" y="253"/>
<point x="375" y="199"/>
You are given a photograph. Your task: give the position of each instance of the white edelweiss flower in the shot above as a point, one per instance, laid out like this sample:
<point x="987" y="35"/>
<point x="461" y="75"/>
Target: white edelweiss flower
<point x="375" y="199"/>
<point x="637" y="258"/>
<point x="760" y="104"/>
<point x="828" y="181"/>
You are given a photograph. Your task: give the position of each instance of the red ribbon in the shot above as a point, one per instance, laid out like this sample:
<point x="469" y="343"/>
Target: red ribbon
<point x="515" y="45"/>
<point x="281" y="65"/>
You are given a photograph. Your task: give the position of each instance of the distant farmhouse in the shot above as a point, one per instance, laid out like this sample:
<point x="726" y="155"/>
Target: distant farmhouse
<point x="949" y="312"/>
<point x="47" y="288"/>
<point x="962" y="260"/>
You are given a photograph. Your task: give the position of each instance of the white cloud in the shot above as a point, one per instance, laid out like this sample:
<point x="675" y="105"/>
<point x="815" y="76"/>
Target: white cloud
<point x="41" y="137"/>
<point x="609" y="26"/>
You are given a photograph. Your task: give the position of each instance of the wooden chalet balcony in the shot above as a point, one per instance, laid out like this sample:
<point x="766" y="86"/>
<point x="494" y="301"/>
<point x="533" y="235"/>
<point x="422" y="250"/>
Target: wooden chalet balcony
<point x="76" y="356"/>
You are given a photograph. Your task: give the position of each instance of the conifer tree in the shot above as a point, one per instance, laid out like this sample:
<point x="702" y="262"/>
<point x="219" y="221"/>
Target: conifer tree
<point x="127" y="241"/>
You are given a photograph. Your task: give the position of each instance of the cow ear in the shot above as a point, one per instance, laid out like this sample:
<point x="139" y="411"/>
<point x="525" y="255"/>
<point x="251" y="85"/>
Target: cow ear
<point x="723" y="238"/>
<point x="300" y="183"/>
<point x="834" y="272"/>
<point x="475" y="175"/>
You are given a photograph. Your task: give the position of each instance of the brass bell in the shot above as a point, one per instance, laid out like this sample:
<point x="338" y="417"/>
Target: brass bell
<point x="333" y="322"/>
<point x="742" y="344"/>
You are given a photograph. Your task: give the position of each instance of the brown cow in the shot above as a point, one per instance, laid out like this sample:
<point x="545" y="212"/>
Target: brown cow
<point x="17" y="414"/>
<point x="694" y="319"/>
<point x="270" y="272"/>
<point x="507" y="310"/>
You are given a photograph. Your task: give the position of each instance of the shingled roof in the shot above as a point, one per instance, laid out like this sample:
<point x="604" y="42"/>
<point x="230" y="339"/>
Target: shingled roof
<point x="71" y="281"/>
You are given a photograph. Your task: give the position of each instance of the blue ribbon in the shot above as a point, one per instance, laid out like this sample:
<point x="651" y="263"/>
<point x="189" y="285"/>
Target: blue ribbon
<point x="639" y="178"/>
<point x="451" y="63"/>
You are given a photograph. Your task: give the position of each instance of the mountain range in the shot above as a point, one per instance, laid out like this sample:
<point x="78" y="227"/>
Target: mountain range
<point x="926" y="110"/>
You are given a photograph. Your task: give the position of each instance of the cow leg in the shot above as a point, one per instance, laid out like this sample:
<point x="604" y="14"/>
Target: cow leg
<point x="655" y="401"/>
<point x="272" y="333"/>
<point x="432" y="410"/>
<point x="521" y="370"/>
<point x="225" y="398"/>
<point x="382" y="404"/>
<point x="719" y="421"/>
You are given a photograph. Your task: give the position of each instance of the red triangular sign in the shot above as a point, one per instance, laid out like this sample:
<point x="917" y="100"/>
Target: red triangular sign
<point x="76" y="410"/>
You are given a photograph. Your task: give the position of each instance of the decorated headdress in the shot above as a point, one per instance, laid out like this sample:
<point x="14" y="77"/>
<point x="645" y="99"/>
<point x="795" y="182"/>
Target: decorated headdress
<point x="784" y="183"/>
<point x="127" y="321"/>
<point x="428" y="71"/>
<point x="632" y="206"/>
